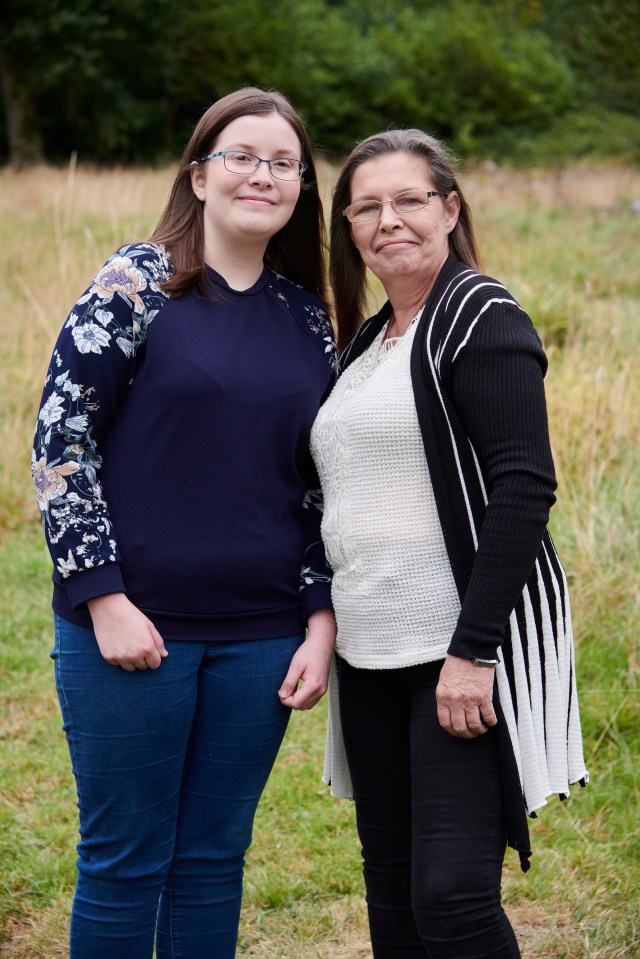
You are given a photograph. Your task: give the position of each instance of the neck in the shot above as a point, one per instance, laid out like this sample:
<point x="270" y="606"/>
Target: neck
<point x="240" y="267"/>
<point x="407" y="294"/>
<point x="405" y="304"/>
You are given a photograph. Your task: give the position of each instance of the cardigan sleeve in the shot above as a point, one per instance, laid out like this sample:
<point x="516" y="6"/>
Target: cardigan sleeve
<point x="497" y="388"/>
<point x="93" y="364"/>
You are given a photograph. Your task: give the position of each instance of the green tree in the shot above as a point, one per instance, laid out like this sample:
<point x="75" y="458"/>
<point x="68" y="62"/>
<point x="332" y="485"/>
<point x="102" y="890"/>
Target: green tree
<point x="465" y="71"/>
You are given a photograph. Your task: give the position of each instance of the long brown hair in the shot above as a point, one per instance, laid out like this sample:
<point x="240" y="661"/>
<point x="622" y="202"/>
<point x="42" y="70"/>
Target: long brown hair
<point x="347" y="270"/>
<point x="296" y="251"/>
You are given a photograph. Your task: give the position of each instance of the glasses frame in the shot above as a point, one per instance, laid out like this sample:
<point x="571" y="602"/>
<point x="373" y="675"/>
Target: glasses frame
<point x="392" y="200"/>
<point x="223" y="153"/>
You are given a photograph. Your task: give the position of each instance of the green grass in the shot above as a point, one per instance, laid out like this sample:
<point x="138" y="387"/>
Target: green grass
<point x="574" y="267"/>
<point x="303" y="881"/>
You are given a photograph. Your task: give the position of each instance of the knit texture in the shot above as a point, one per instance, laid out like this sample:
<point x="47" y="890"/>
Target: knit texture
<point x="477" y="369"/>
<point x="393" y="591"/>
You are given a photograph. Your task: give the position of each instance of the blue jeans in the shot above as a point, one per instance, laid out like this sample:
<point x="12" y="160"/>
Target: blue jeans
<point x="169" y="765"/>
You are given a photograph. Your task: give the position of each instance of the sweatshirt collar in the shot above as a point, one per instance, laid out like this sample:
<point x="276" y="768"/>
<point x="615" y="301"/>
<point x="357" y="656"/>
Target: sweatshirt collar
<point x="217" y="280"/>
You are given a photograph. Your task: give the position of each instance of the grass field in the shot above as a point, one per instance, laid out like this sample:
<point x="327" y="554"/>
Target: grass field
<point x="567" y="244"/>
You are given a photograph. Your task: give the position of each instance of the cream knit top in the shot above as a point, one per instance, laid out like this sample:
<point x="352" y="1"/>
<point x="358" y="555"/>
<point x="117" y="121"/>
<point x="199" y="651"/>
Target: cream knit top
<point x="393" y="589"/>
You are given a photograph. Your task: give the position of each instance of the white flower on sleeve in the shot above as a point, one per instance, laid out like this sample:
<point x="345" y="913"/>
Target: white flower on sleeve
<point x="67" y="566"/>
<point x="90" y="338"/>
<point x="51" y="412"/>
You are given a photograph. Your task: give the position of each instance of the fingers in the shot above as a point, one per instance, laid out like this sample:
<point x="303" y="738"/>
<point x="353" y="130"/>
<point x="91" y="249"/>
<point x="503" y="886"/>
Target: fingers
<point x="463" y="717"/>
<point x="465" y="724"/>
<point x="130" y="643"/>
<point x="304" y="685"/>
<point x="464" y="697"/>
<point x="304" y="696"/>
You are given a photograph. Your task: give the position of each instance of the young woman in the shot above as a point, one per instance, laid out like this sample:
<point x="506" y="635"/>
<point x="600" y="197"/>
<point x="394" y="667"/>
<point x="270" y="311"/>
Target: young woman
<point x="171" y="466"/>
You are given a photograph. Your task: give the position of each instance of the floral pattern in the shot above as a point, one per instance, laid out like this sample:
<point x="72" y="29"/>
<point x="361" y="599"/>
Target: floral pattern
<point x="319" y="324"/>
<point x="96" y="358"/>
<point x="108" y="325"/>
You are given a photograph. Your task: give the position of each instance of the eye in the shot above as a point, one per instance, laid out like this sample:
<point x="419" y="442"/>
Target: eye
<point x="405" y="202"/>
<point x="285" y="164"/>
<point x="366" y="208"/>
<point x="242" y="159"/>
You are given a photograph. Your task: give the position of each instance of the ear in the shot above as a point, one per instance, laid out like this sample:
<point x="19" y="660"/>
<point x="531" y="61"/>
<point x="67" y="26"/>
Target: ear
<point x="452" y="208"/>
<point x="198" y="179"/>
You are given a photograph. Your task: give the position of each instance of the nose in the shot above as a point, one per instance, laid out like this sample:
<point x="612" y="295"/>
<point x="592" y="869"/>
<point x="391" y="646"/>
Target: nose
<point x="389" y="219"/>
<point x="262" y="174"/>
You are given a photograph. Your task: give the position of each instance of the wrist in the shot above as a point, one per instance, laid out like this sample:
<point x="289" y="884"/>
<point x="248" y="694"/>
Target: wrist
<point x="322" y="622"/>
<point x="108" y="601"/>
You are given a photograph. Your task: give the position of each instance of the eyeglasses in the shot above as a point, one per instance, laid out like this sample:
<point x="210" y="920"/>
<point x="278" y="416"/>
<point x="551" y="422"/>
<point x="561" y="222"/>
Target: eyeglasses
<point x="237" y="161"/>
<point x="408" y="201"/>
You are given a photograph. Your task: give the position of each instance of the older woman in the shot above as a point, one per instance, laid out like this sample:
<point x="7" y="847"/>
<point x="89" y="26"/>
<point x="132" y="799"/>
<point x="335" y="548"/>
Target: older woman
<point x="454" y="653"/>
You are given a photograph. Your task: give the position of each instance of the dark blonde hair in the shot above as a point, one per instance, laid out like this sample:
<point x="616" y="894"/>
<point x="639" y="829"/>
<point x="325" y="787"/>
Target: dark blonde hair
<point x="296" y="251"/>
<point x="347" y="270"/>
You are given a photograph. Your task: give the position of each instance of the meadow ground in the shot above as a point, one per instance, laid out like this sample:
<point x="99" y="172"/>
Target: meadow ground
<point x="566" y="243"/>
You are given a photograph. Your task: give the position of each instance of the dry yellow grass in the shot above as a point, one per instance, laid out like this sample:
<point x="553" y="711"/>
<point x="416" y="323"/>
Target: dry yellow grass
<point x="59" y="225"/>
<point x="566" y="244"/>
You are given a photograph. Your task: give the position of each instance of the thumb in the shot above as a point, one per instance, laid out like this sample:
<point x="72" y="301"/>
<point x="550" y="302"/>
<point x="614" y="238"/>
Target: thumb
<point x="159" y="641"/>
<point x="289" y="683"/>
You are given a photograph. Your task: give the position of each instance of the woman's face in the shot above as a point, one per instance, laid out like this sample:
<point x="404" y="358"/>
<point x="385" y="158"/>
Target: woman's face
<point x="247" y="207"/>
<point x="399" y="248"/>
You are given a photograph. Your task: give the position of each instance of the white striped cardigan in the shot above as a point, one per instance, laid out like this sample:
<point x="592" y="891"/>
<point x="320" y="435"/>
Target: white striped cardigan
<point x="477" y="369"/>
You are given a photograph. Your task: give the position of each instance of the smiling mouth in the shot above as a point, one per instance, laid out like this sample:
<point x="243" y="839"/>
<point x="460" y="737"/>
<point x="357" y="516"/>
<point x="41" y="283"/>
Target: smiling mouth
<point x="256" y="199"/>
<point x="391" y="243"/>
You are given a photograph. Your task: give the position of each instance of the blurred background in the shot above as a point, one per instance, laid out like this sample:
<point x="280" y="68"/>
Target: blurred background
<point x="541" y="99"/>
<point x="124" y="81"/>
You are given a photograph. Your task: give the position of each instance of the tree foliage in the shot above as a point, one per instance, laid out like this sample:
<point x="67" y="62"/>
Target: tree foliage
<point x="125" y="80"/>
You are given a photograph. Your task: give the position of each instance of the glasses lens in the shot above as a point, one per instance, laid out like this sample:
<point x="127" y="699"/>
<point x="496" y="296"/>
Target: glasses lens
<point x="366" y="210"/>
<point x="284" y="168"/>
<point x="410" y="200"/>
<point x="237" y="162"/>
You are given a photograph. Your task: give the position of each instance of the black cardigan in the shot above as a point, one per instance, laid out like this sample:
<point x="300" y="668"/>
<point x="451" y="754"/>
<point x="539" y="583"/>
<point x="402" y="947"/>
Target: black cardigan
<point x="477" y="369"/>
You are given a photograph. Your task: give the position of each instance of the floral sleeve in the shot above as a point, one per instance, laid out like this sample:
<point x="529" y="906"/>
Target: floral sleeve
<point x="316" y="574"/>
<point x="93" y="364"/>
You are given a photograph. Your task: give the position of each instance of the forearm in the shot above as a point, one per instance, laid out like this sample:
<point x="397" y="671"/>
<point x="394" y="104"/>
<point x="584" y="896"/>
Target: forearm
<point x="509" y="543"/>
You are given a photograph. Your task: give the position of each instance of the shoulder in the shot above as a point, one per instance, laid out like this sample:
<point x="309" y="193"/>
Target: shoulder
<point x="475" y="310"/>
<point x="135" y="267"/>
<point x="122" y="300"/>
<point x="129" y="281"/>
<point x="364" y="337"/>
<point x="296" y="297"/>
<point x="310" y="311"/>
<point x="463" y="290"/>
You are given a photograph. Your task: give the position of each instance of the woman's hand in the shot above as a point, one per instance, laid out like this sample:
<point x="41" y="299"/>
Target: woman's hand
<point x="125" y="636"/>
<point x="465" y="698"/>
<point x="310" y="664"/>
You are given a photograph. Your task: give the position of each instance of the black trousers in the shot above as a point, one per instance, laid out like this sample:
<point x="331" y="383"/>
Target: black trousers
<point x="430" y="818"/>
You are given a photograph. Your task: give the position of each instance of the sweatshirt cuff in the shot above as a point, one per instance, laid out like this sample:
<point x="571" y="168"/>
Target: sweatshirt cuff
<point x="316" y="596"/>
<point x="90" y="583"/>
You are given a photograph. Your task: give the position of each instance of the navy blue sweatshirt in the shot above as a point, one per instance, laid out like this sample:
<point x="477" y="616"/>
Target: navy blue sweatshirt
<point x="171" y="456"/>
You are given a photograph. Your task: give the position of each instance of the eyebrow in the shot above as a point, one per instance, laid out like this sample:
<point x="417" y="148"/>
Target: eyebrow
<point x="405" y="189"/>
<point x="251" y="149"/>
